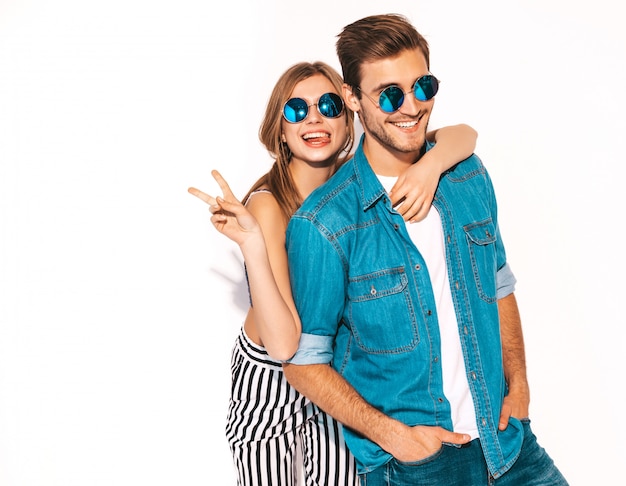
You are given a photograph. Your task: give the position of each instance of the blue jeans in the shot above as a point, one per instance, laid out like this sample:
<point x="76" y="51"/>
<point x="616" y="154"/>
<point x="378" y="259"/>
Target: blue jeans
<point x="465" y="466"/>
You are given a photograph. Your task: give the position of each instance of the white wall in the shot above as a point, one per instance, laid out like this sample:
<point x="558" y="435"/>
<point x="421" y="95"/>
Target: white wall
<point x="119" y="302"/>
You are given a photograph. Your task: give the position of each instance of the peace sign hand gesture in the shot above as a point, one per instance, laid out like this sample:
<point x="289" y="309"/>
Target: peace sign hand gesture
<point x="229" y="216"/>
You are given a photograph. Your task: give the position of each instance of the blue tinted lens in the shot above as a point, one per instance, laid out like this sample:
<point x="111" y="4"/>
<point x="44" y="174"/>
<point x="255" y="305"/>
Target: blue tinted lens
<point x="330" y="105"/>
<point x="426" y="87"/>
<point x="295" y="110"/>
<point x="391" y="99"/>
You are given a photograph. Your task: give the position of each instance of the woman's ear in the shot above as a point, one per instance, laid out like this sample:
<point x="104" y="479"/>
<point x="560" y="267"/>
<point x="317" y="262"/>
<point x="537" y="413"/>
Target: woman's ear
<point x="282" y="138"/>
<point x="350" y="98"/>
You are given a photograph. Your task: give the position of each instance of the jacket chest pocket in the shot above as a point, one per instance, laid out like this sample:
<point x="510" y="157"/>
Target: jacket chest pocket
<point x="380" y="312"/>
<point x="481" y="240"/>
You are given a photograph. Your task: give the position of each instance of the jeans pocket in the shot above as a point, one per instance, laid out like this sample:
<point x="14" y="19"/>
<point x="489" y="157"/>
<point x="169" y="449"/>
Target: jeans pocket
<point x="422" y="461"/>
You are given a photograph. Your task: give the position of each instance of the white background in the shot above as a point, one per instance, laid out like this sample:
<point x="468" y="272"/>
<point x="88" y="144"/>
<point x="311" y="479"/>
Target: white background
<point x="119" y="302"/>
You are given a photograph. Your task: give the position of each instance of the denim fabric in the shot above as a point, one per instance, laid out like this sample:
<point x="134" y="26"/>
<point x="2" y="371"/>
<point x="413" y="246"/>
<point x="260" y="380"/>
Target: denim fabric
<point x="465" y="466"/>
<point x="363" y="292"/>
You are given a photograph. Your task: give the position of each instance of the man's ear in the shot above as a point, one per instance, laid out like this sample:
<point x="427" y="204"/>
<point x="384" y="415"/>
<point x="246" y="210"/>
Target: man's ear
<point x="350" y="98"/>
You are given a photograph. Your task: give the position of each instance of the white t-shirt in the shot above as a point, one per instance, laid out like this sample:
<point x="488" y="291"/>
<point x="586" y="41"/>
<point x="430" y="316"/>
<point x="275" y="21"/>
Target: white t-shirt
<point x="427" y="235"/>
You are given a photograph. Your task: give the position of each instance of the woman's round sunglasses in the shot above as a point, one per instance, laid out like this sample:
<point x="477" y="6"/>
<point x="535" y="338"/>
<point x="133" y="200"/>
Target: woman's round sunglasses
<point x="392" y="97"/>
<point x="329" y="105"/>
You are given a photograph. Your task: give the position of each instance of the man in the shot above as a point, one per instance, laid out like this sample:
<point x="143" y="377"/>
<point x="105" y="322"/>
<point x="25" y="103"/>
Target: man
<point x="418" y="321"/>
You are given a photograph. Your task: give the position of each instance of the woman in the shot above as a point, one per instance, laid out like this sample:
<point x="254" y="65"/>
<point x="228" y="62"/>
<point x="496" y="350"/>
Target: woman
<point x="308" y="131"/>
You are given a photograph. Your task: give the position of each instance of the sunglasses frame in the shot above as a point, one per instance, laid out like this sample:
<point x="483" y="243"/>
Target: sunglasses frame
<point x="404" y="93"/>
<point x="332" y="96"/>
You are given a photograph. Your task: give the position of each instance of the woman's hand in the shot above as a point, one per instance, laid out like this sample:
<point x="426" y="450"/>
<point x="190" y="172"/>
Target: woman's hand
<point x="413" y="192"/>
<point x="229" y="216"/>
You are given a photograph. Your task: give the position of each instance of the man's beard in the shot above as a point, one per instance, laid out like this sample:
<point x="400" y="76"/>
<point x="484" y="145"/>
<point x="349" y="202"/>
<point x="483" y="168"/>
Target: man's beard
<point x="384" y="138"/>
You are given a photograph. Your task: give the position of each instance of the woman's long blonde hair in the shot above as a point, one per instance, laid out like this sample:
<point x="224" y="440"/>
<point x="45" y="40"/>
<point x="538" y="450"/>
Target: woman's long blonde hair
<point x="278" y="180"/>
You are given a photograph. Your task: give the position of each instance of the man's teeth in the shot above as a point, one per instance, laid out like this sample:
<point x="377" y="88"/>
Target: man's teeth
<point x="406" y="124"/>
<point x="315" y="135"/>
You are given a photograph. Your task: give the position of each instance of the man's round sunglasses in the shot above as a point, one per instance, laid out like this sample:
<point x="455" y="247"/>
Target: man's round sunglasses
<point x="392" y="97"/>
<point x="329" y="105"/>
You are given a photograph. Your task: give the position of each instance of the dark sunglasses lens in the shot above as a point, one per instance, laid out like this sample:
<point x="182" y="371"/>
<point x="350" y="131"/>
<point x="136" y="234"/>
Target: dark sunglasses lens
<point x="391" y="99"/>
<point x="295" y="110"/>
<point x="426" y="87"/>
<point x="330" y="105"/>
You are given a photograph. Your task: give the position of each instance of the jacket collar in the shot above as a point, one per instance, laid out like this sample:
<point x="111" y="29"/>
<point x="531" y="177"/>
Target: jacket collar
<point x="370" y="187"/>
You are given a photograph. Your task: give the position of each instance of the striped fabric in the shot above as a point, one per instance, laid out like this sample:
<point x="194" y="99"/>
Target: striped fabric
<point x="277" y="436"/>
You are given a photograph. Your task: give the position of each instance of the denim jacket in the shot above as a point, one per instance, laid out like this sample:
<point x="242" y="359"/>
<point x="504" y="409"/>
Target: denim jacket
<point x="363" y="292"/>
